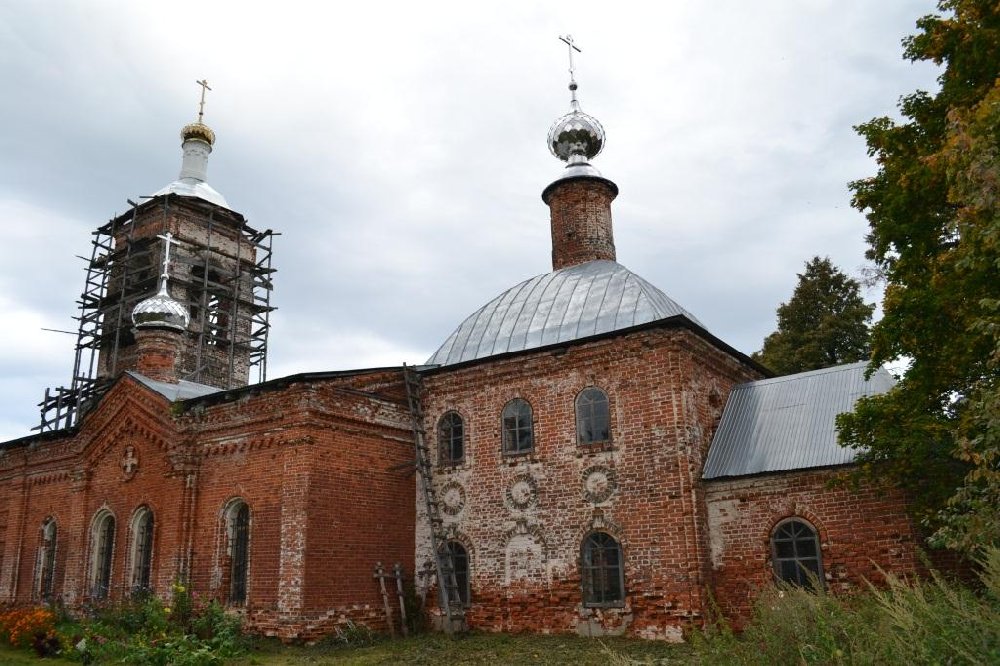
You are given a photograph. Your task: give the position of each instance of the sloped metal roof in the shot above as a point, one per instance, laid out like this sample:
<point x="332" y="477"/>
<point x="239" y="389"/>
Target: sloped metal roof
<point x="572" y="303"/>
<point x="788" y="422"/>
<point x="192" y="187"/>
<point x="182" y="390"/>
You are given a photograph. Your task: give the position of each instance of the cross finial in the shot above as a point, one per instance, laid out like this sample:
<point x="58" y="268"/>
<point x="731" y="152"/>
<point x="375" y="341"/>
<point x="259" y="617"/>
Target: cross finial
<point x="201" y="105"/>
<point x="568" y="40"/>
<point x="168" y="239"/>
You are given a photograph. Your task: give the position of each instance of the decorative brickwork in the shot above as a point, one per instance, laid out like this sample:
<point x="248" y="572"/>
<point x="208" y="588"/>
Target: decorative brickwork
<point x="312" y="460"/>
<point x="524" y="517"/>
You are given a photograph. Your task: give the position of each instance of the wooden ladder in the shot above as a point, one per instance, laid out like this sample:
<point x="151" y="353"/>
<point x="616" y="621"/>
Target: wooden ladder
<point x="449" y="597"/>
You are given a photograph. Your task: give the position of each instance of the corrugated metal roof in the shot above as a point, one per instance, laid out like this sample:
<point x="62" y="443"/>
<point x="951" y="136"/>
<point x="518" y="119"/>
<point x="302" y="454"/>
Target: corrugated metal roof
<point x="182" y="390"/>
<point x="576" y="302"/>
<point x="788" y="422"/>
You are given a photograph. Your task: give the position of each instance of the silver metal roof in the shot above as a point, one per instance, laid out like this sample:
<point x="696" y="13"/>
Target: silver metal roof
<point x="182" y="390"/>
<point x="572" y="303"/>
<point x="189" y="187"/>
<point x="788" y="422"/>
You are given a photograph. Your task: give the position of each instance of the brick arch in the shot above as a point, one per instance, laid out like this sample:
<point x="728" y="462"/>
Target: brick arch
<point x="600" y="521"/>
<point x="797" y="512"/>
<point x="462" y="537"/>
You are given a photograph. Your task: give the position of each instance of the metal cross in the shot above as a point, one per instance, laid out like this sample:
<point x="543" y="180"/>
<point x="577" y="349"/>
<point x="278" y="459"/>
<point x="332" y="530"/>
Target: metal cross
<point x="168" y="240"/>
<point x="568" y="39"/>
<point x="204" y="87"/>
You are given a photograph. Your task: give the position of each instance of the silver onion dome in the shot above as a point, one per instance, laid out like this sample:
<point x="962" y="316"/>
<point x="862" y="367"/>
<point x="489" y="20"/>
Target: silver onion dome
<point x="161" y="311"/>
<point x="576" y="137"/>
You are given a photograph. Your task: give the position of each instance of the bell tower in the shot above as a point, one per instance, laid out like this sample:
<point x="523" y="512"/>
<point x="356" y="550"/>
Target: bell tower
<point x="221" y="274"/>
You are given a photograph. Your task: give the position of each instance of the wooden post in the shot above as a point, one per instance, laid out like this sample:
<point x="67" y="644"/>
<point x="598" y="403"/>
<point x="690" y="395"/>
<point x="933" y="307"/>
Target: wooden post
<point x="380" y="575"/>
<point x="398" y="570"/>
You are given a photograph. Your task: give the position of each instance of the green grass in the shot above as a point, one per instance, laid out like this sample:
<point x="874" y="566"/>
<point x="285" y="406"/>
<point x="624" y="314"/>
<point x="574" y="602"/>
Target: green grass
<point x="933" y="621"/>
<point x="14" y="657"/>
<point x="475" y="648"/>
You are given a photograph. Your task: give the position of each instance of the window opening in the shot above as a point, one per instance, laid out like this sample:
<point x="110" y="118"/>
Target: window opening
<point x="795" y="553"/>
<point x="593" y="417"/>
<point x="451" y="438"/>
<point x="460" y="560"/>
<point x="47" y="560"/>
<point x="104" y="543"/>
<point x="142" y="550"/>
<point x="240" y="549"/>
<point x="518" y="434"/>
<point x="602" y="571"/>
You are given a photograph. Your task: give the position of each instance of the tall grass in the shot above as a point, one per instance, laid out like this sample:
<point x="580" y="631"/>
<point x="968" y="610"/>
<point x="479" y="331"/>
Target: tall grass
<point x="932" y="621"/>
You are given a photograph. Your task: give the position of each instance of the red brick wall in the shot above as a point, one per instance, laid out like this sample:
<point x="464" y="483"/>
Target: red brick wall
<point x="859" y="532"/>
<point x="580" y="215"/>
<point x="313" y="461"/>
<point x="73" y="478"/>
<point x="666" y="388"/>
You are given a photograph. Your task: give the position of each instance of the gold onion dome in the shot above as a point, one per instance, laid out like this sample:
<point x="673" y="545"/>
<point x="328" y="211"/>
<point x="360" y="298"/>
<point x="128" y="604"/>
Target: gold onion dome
<point x="199" y="131"/>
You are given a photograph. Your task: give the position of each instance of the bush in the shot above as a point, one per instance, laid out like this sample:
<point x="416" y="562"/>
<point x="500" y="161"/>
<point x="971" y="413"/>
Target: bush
<point x="931" y="621"/>
<point x="21" y="626"/>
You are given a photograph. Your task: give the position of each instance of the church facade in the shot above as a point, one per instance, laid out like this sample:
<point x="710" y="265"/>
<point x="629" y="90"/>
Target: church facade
<point x="580" y="455"/>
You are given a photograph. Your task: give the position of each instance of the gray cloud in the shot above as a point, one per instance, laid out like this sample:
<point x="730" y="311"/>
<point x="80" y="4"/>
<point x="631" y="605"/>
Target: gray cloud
<point x="399" y="149"/>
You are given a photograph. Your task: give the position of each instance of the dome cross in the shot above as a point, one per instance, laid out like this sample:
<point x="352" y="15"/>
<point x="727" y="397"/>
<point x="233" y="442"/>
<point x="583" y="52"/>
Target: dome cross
<point x="201" y="105"/>
<point x="168" y="240"/>
<point x="568" y="40"/>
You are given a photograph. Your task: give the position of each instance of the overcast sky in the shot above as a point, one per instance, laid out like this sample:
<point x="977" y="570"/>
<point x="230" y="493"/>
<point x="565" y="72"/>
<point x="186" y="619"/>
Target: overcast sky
<point x="399" y="148"/>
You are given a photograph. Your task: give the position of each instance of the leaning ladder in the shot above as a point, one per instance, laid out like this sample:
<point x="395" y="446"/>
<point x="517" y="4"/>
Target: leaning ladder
<point x="444" y="564"/>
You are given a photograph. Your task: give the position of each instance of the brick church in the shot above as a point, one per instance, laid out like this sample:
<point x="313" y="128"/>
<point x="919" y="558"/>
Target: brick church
<point x="581" y="454"/>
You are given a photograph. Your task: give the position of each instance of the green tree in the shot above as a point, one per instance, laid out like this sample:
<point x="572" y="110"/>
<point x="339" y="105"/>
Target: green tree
<point x="933" y="209"/>
<point x="825" y="323"/>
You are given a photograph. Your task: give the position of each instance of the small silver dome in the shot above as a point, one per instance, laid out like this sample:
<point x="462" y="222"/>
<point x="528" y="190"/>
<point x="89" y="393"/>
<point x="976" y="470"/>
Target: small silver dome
<point x="576" y="135"/>
<point x="161" y="311"/>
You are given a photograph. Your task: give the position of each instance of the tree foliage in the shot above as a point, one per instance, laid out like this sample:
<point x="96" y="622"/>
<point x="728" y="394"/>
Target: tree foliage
<point x="825" y="323"/>
<point x="934" y="214"/>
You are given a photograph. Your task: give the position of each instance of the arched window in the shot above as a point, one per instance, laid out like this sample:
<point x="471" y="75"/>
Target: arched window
<point x="102" y="546"/>
<point x="238" y="534"/>
<point x="602" y="571"/>
<point x="518" y="435"/>
<point x="142" y="548"/>
<point x="593" y="416"/>
<point x="459" y="560"/>
<point x="795" y="553"/>
<point x="47" y="559"/>
<point x="451" y="438"/>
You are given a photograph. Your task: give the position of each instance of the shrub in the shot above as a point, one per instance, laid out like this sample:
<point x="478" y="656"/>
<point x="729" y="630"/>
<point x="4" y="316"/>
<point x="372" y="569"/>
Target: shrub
<point x="930" y="621"/>
<point x="20" y="626"/>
